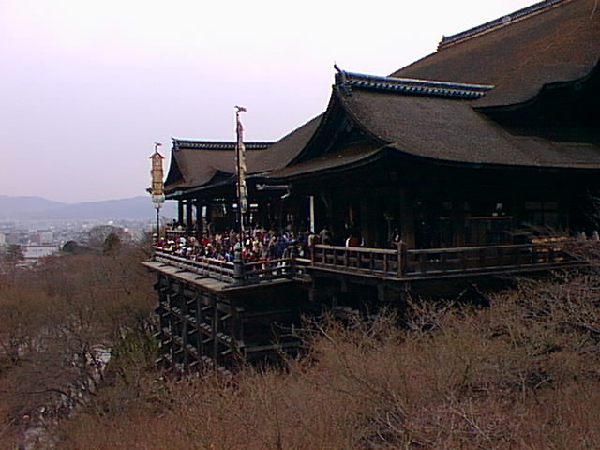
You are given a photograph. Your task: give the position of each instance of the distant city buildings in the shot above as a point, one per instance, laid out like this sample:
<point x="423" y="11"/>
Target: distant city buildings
<point x="41" y="238"/>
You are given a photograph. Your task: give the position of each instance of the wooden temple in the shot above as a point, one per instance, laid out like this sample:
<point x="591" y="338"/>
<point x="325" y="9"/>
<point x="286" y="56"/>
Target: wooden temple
<point x="477" y="160"/>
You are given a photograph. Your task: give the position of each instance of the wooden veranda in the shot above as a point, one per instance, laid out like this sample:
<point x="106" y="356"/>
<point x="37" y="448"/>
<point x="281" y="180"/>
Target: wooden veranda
<point x="228" y="313"/>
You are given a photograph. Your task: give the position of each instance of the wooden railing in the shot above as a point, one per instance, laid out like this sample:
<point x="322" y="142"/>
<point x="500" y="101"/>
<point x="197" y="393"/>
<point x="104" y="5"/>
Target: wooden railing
<point x="232" y="272"/>
<point x="392" y="263"/>
<point x="206" y="267"/>
<point x="274" y="268"/>
<point x="403" y="262"/>
<point x="374" y="260"/>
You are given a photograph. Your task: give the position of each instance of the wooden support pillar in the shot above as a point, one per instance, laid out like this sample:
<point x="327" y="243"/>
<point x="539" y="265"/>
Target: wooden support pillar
<point x="199" y="224"/>
<point x="311" y="214"/>
<point x="180" y="211"/>
<point x="232" y="332"/>
<point x="407" y="218"/>
<point x="199" y="323"/>
<point x="184" y="329"/>
<point x="381" y="293"/>
<point x="365" y="210"/>
<point x="215" y="329"/>
<point x="189" y="217"/>
<point x="405" y="295"/>
<point x="401" y="259"/>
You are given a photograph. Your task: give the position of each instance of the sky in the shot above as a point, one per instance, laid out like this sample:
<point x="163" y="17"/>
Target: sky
<point x="86" y="88"/>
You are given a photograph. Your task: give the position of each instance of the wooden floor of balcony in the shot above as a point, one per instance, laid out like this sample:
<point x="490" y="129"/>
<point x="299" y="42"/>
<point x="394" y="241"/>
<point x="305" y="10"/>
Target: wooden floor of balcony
<point x="400" y="264"/>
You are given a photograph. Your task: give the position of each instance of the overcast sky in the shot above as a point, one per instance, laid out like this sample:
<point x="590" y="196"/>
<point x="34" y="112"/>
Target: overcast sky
<point x="86" y="87"/>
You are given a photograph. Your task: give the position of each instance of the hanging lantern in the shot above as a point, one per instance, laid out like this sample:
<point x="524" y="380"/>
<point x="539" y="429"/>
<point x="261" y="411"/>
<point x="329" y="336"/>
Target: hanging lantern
<point x="157" y="190"/>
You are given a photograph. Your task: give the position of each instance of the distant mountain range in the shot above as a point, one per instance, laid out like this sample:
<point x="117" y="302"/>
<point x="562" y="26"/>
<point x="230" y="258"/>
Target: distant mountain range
<point x="40" y="208"/>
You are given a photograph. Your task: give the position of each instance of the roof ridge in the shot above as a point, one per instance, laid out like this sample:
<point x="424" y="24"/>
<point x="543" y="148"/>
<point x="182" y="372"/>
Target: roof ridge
<point x="348" y="81"/>
<point x="220" y="145"/>
<point x="505" y="20"/>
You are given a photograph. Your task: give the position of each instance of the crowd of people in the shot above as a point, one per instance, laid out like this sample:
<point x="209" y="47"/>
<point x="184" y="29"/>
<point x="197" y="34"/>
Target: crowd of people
<point x="256" y="244"/>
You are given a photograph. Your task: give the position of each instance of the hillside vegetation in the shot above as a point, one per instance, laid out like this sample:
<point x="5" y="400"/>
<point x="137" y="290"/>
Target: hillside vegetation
<point x="52" y="317"/>
<point x="523" y="373"/>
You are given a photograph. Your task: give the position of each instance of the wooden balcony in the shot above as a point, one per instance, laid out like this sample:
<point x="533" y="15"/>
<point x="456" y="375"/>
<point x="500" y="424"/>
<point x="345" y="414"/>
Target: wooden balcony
<point x="411" y="263"/>
<point x="400" y="263"/>
<point x="222" y="313"/>
<point x="236" y="273"/>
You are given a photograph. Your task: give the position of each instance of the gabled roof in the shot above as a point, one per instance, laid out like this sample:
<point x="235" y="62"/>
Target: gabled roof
<point x="425" y="120"/>
<point x="281" y="153"/>
<point x="198" y="163"/>
<point x="201" y="164"/>
<point x="432" y="109"/>
<point x="551" y="41"/>
<point x="451" y="130"/>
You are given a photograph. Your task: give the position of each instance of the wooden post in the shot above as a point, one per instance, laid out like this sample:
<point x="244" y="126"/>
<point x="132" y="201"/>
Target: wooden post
<point x="463" y="260"/>
<point x="401" y="258"/>
<point x="293" y="265"/>
<point x="423" y="263"/>
<point x="215" y="328"/>
<point x="184" y="330"/>
<point x="444" y="261"/>
<point x="180" y="212"/>
<point x="199" y="322"/>
<point x="188" y="216"/>
<point x="312" y="237"/>
<point x="238" y="264"/>
<point x="199" y="230"/>
<point x="482" y="258"/>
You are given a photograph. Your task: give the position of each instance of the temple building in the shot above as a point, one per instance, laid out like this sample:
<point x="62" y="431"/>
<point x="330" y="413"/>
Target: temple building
<point x="472" y="164"/>
<point x="490" y="140"/>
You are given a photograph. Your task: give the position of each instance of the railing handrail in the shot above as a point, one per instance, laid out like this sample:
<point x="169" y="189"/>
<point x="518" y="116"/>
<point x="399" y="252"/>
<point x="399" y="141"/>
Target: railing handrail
<point x="226" y="271"/>
<point x="389" y="262"/>
<point x="406" y="262"/>
<point x="386" y="251"/>
<point x="478" y="248"/>
<point x="431" y="250"/>
<point x="223" y="270"/>
<point x="197" y="261"/>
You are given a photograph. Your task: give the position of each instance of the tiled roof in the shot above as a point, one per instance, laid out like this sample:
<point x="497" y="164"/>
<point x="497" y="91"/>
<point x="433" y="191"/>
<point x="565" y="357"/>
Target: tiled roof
<point x="281" y="153"/>
<point x="349" y="81"/>
<point x="501" y="22"/>
<point x="444" y="130"/>
<point x="450" y="130"/>
<point x="412" y="114"/>
<point x="197" y="163"/>
<point x="557" y="42"/>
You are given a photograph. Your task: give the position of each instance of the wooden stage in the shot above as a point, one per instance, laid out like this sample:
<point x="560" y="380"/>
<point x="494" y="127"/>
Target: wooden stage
<point x="226" y="314"/>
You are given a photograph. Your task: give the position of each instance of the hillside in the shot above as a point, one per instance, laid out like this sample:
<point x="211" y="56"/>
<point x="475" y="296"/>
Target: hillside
<point x="40" y="208"/>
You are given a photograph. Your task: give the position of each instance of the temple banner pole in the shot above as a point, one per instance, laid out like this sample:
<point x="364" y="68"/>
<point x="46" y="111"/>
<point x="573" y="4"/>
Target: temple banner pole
<point x="240" y="155"/>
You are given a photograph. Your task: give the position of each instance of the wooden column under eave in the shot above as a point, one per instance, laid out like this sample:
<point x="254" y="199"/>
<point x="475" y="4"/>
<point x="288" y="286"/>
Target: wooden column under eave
<point x="180" y="212"/>
<point x="189" y="221"/>
<point x="199" y="225"/>
<point x="365" y="224"/>
<point x="407" y="217"/>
